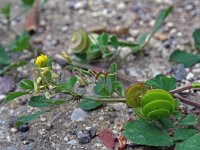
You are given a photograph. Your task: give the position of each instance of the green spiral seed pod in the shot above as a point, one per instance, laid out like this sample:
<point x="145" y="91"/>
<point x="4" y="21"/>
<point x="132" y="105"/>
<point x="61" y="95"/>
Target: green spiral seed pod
<point x="157" y="103"/>
<point x="80" y="41"/>
<point x="134" y="94"/>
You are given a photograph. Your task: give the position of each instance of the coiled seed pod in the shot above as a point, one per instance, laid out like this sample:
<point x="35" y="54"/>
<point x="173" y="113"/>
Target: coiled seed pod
<point x="134" y="94"/>
<point x="80" y="41"/>
<point x="157" y="103"/>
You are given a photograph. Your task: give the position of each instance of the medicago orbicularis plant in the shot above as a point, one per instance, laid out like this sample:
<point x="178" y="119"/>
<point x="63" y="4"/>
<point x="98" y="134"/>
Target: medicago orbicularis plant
<point x="148" y="103"/>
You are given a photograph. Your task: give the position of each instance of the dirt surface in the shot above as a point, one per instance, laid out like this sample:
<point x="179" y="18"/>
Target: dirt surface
<point x="58" y="19"/>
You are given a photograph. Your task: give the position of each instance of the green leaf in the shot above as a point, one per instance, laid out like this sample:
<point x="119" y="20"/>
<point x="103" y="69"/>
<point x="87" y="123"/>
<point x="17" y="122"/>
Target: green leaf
<point x="188" y="120"/>
<point x="185" y="58"/>
<point x="183" y="133"/>
<point x="4" y="58"/>
<point x="196" y="36"/>
<point x="114" y="41"/>
<point x="145" y="133"/>
<point x="193" y="143"/>
<point x="101" y="89"/>
<point x="162" y="82"/>
<point x="59" y="102"/>
<point x="113" y="68"/>
<point x="161" y="17"/>
<point x="166" y="123"/>
<point x="93" y="52"/>
<point x="28" y="3"/>
<point x="11" y="96"/>
<point x="117" y="87"/>
<point x="26" y="84"/>
<point x="103" y="39"/>
<point x="29" y="118"/>
<point x="178" y="114"/>
<point x="69" y="84"/>
<point x="21" y="43"/>
<point x="89" y="105"/>
<point x="6" y="10"/>
<point x="40" y="101"/>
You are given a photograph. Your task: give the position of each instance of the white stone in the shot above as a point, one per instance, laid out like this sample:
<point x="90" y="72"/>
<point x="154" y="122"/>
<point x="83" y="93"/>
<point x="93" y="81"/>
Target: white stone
<point x="78" y="115"/>
<point x="72" y="142"/>
<point x="66" y="138"/>
<point x="121" y="5"/>
<point x="190" y="76"/>
<point x="13" y="130"/>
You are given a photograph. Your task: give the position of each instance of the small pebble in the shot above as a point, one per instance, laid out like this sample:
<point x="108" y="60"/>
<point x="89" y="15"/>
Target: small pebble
<point x="180" y="73"/>
<point x="101" y="118"/>
<point x="72" y="142"/>
<point x="121" y="5"/>
<point x="7" y="84"/>
<point x="25" y="142"/>
<point x="30" y="146"/>
<point x="24" y="128"/>
<point x="92" y="132"/>
<point x="66" y="138"/>
<point x="190" y="76"/>
<point x="161" y="37"/>
<point x="11" y="148"/>
<point x="78" y="115"/>
<point x="83" y="138"/>
<point x="13" y="130"/>
<point x="2" y="97"/>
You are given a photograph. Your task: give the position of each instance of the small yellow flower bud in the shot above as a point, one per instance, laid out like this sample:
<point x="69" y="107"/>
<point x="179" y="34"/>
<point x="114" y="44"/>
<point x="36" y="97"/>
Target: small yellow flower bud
<point x="41" y="61"/>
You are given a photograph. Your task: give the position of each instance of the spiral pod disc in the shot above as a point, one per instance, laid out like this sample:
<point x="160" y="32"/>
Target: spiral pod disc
<point x="134" y="94"/>
<point x="157" y="104"/>
<point x="80" y="41"/>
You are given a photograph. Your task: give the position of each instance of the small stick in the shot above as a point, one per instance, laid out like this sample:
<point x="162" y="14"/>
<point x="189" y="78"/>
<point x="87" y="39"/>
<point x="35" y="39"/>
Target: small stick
<point x="49" y="124"/>
<point x="180" y="89"/>
<point x="186" y="101"/>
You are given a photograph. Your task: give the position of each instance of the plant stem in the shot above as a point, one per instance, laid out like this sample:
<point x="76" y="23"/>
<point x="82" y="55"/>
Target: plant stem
<point x="186" y="101"/>
<point x="180" y="89"/>
<point x="89" y="67"/>
<point x="107" y="100"/>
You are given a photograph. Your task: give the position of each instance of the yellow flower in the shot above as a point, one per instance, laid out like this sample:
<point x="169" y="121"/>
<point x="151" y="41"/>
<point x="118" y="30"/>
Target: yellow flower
<point x="41" y="61"/>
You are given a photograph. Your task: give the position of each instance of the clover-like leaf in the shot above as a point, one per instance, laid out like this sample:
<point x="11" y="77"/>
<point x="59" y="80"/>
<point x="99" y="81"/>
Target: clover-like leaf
<point x="26" y="84"/>
<point x="196" y="36"/>
<point x="28" y="3"/>
<point x="89" y="105"/>
<point x="192" y="143"/>
<point x="145" y="133"/>
<point x="21" y="43"/>
<point x="4" y="58"/>
<point x="185" y="58"/>
<point x="162" y="82"/>
<point x="12" y="95"/>
<point x="68" y="86"/>
<point x="28" y="118"/>
<point x="183" y="133"/>
<point x="6" y="10"/>
<point x="188" y="120"/>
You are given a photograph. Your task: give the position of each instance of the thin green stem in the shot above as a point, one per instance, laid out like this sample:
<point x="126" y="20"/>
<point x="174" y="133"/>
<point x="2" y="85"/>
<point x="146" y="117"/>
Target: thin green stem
<point x="107" y="100"/>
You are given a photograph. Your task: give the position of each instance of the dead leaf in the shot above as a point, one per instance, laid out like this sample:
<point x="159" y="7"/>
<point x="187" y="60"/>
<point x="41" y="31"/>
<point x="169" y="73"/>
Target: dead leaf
<point x="32" y="18"/>
<point x="122" y="142"/>
<point x="118" y="30"/>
